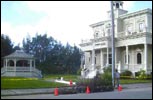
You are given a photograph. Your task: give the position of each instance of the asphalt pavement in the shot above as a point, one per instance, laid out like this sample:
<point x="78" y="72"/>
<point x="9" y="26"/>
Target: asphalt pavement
<point x="11" y="92"/>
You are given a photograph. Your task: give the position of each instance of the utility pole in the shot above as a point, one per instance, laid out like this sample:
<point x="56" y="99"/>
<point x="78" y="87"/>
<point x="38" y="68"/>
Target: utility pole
<point x="113" y="44"/>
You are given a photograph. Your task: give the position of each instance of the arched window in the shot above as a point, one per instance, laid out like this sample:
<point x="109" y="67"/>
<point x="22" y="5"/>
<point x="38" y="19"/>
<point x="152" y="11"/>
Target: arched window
<point x="141" y="27"/>
<point x="139" y="58"/>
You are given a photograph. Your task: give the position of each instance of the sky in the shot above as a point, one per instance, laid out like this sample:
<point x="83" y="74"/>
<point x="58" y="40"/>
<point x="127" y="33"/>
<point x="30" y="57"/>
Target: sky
<point x="65" y="21"/>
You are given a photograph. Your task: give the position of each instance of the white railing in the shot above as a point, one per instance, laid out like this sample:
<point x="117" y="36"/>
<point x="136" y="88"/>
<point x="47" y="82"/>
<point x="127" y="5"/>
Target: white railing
<point x="133" y="67"/>
<point x="22" y="68"/>
<point x="86" y="41"/>
<point x="18" y="68"/>
<point x="125" y="33"/>
<point x="3" y="70"/>
<point x="38" y="72"/>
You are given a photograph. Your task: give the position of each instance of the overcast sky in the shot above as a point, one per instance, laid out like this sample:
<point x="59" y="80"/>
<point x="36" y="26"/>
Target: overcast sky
<point x="66" y="21"/>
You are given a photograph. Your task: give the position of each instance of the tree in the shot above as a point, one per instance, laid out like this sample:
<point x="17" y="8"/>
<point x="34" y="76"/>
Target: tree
<point x="52" y="56"/>
<point x="6" y="46"/>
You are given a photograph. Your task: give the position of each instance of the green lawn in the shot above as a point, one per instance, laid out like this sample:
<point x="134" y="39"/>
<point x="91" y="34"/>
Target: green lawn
<point x="132" y="81"/>
<point x="66" y="77"/>
<point x="20" y="82"/>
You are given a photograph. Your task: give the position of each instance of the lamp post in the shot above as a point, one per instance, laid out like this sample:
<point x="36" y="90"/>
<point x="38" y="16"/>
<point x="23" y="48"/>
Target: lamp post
<point x="113" y="44"/>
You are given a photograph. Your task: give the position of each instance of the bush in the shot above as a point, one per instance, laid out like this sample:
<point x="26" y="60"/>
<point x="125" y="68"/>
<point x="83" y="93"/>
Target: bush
<point x="107" y="69"/>
<point x="102" y="82"/>
<point x="79" y="71"/>
<point x="125" y="77"/>
<point x="142" y="74"/>
<point x="126" y="73"/>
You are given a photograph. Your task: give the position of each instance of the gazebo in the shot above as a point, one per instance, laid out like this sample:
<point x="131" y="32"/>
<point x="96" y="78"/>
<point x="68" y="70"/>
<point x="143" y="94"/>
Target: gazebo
<point x="21" y="64"/>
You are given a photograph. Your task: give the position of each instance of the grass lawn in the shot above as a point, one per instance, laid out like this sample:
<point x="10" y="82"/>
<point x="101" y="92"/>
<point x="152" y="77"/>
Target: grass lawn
<point x="132" y="81"/>
<point x="20" y="82"/>
<point x="66" y="77"/>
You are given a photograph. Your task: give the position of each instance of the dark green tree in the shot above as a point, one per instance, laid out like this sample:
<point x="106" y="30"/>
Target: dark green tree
<point x="6" y="46"/>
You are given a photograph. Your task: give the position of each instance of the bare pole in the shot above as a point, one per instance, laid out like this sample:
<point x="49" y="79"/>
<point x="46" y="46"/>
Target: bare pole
<point x="113" y="44"/>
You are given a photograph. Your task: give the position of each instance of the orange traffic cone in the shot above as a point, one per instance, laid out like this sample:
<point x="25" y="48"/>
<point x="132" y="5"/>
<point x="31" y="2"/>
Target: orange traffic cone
<point x="119" y="88"/>
<point x="56" y="91"/>
<point x="87" y="90"/>
<point x="70" y="82"/>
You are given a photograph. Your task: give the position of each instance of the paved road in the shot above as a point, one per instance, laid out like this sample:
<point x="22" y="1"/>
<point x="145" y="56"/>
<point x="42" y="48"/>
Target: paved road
<point x="136" y="93"/>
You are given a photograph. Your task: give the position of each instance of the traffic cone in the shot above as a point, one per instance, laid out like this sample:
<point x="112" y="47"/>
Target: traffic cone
<point x="119" y="88"/>
<point x="70" y="82"/>
<point x="87" y="90"/>
<point x="56" y="91"/>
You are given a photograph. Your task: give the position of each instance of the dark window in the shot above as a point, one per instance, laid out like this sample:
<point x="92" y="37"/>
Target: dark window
<point x="110" y="58"/>
<point x="139" y="58"/>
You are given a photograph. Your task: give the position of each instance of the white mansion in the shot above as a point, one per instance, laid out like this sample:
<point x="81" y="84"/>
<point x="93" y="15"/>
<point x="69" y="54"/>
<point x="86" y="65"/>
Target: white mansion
<point x="133" y="43"/>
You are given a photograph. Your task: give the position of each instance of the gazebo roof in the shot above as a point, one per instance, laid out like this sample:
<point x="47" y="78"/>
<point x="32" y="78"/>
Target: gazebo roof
<point x="19" y="54"/>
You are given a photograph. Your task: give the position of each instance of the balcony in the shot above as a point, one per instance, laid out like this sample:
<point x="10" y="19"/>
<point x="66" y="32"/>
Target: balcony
<point x="146" y="31"/>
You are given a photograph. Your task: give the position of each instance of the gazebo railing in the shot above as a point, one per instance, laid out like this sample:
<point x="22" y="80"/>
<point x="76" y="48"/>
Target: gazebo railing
<point x="2" y="70"/>
<point x="18" y="69"/>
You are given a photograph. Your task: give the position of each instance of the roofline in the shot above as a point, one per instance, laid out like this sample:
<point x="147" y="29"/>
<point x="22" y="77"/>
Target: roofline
<point x="126" y="15"/>
<point x="136" y="13"/>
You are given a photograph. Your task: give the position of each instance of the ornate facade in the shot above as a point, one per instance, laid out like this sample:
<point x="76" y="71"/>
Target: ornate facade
<point x="133" y="43"/>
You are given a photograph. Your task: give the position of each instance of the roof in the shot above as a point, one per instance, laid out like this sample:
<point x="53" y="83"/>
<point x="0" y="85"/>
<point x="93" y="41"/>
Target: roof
<point x="123" y="16"/>
<point x="148" y="10"/>
<point x="19" y="54"/>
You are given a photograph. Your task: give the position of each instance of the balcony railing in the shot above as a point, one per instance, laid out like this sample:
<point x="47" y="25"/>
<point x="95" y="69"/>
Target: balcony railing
<point x="134" y="32"/>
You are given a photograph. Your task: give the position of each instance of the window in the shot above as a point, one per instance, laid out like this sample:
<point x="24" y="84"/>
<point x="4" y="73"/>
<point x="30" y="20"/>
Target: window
<point x="129" y="29"/>
<point x="95" y="60"/>
<point x="96" y="34"/>
<point x="141" y="27"/>
<point x="108" y="32"/>
<point x="110" y="58"/>
<point x="139" y="58"/>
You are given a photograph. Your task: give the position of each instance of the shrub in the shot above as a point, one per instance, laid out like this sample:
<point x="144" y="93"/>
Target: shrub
<point x="79" y="71"/>
<point x="125" y="77"/>
<point x="102" y="82"/>
<point x="142" y="74"/>
<point x="107" y="69"/>
<point x="126" y="73"/>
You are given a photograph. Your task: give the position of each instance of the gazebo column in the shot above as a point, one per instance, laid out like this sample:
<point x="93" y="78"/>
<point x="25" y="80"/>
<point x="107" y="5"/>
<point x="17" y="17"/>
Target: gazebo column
<point x="15" y="65"/>
<point x="34" y="63"/>
<point x="30" y="65"/>
<point x="3" y="63"/>
<point x="6" y="64"/>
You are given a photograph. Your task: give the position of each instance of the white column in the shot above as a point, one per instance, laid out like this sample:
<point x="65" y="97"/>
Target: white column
<point x="34" y="63"/>
<point x="145" y="57"/>
<point x="127" y="57"/>
<point x="30" y="65"/>
<point x="116" y="57"/>
<point x="15" y="65"/>
<point x="85" y="60"/>
<point x="107" y="61"/>
<point x="3" y="62"/>
<point x="6" y="64"/>
<point x="101" y="58"/>
<point x="93" y="58"/>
